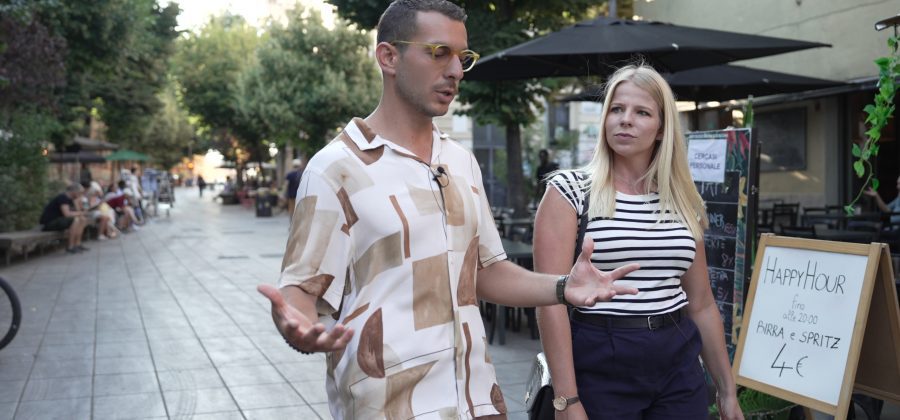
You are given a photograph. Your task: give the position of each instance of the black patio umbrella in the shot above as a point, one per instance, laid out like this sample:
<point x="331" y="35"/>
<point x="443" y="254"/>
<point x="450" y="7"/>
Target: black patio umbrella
<point x="724" y="82"/>
<point x="598" y="46"/>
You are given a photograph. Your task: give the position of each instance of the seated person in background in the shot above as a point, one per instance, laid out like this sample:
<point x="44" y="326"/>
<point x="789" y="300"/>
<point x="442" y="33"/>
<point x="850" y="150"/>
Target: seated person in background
<point x="61" y="214"/>
<point x="229" y="186"/>
<point x="892" y="207"/>
<point x="100" y="213"/>
<point x="118" y="200"/>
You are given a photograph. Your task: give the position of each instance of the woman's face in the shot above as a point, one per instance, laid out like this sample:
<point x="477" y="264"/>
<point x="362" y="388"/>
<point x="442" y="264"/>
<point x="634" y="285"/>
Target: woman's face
<point x="633" y="123"/>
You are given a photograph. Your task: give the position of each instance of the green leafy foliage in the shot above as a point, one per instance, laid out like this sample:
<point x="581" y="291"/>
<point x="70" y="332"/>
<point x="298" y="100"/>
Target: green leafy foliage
<point x="167" y="131"/>
<point x="23" y="169"/>
<point x="307" y="81"/>
<point x="759" y="406"/>
<point x="877" y="116"/>
<point x="207" y="65"/>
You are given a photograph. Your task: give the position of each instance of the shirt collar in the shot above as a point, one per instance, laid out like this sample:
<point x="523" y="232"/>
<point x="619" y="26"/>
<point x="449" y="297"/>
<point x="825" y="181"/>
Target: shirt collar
<point x="367" y="139"/>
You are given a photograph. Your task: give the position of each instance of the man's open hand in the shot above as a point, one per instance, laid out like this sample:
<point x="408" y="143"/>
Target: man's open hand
<point x="298" y="330"/>
<point x="588" y="285"/>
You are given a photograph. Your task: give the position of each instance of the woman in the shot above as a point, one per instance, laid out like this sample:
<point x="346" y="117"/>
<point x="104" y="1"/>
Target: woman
<point x="634" y="357"/>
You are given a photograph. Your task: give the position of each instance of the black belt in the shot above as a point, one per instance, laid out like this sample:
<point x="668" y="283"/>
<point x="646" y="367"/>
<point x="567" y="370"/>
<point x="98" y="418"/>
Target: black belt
<point x="652" y="322"/>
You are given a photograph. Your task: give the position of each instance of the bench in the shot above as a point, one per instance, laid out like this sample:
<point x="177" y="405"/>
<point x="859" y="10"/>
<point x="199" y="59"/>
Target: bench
<point x="25" y="241"/>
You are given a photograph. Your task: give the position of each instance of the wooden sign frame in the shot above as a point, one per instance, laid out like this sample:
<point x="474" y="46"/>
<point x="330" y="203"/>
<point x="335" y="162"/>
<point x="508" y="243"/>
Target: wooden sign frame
<point x="877" y="319"/>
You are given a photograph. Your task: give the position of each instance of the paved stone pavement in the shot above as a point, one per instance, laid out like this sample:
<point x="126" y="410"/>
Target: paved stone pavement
<point x="165" y="322"/>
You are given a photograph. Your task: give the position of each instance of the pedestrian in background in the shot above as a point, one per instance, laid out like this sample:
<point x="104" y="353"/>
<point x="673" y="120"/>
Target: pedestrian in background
<point x="393" y="230"/>
<point x="293" y="182"/>
<point x="634" y="357"/>
<point x="201" y="184"/>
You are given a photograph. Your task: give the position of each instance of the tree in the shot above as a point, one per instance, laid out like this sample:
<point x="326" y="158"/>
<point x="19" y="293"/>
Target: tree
<point x="492" y="26"/>
<point x="206" y="66"/>
<point x="307" y="81"/>
<point x="131" y="93"/>
<point x="168" y="131"/>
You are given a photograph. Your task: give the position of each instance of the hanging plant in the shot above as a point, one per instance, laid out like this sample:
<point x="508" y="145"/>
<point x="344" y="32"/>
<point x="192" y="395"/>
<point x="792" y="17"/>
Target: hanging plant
<point x="877" y="116"/>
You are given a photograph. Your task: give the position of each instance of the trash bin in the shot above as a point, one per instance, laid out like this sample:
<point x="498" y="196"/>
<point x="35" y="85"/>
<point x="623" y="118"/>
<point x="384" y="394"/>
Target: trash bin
<point x="264" y="202"/>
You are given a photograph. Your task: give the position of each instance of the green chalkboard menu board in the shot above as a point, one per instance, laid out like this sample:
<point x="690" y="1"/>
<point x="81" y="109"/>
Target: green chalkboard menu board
<point x="729" y="203"/>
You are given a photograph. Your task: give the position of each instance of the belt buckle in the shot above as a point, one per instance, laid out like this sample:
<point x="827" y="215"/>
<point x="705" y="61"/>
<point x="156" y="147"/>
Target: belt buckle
<point x="650" y="323"/>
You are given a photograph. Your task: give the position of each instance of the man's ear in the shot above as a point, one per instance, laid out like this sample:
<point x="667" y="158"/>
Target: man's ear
<point x="388" y="56"/>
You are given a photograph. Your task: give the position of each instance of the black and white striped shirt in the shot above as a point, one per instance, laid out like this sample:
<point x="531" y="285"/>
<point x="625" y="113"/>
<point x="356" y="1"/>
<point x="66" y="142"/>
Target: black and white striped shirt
<point x="664" y="250"/>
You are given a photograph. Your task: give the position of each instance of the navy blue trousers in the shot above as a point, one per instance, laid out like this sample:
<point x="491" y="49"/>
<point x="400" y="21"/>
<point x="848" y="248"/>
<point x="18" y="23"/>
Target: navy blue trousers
<point x="638" y="374"/>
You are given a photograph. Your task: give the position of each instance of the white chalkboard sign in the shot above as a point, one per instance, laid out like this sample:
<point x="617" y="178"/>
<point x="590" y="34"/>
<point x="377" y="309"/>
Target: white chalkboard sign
<point x="805" y="318"/>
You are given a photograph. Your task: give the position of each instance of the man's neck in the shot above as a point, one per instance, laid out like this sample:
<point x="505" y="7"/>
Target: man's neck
<point x="414" y="132"/>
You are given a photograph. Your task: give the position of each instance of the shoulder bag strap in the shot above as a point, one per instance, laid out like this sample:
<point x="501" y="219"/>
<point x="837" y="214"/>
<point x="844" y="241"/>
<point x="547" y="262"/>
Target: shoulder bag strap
<point x="582" y="226"/>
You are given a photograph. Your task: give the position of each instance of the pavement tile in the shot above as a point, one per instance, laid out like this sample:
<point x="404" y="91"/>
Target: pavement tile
<point x="166" y="322"/>
<point x="322" y="410"/>
<point x="7" y="410"/>
<point x="56" y="338"/>
<point x="115" y="336"/>
<point x="199" y="401"/>
<point x="175" y="361"/>
<point x="57" y="388"/>
<point x="78" y="408"/>
<point x="312" y="391"/>
<point x="66" y="351"/>
<point x="125" y="383"/>
<point x="122" y="349"/>
<point x="130" y="364"/>
<point x="223" y="358"/>
<point x="217" y="331"/>
<point x="187" y="379"/>
<point x="266" y="396"/>
<point x="279" y="413"/>
<point x="53" y="368"/>
<point x="228" y="343"/>
<point x="228" y="415"/>
<point x="24" y="341"/>
<point x="129" y="406"/>
<point x="11" y="390"/>
<point x="162" y="334"/>
<point x="250" y="375"/>
<point x="302" y="371"/>
<point x="177" y="346"/>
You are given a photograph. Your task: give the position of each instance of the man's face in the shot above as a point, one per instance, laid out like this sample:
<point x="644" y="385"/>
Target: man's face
<point x="426" y="84"/>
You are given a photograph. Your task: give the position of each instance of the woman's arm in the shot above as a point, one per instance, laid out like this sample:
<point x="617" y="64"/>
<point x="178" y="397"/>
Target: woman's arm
<point x="555" y="231"/>
<point x="703" y="311"/>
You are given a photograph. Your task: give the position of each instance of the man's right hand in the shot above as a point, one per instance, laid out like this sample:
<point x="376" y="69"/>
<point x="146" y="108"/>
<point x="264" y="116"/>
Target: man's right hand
<point x="298" y="330"/>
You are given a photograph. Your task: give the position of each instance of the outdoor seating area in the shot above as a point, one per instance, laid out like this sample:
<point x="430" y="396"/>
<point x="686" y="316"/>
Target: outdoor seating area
<point x="829" y="223"/>
<point x="516" y="233"/>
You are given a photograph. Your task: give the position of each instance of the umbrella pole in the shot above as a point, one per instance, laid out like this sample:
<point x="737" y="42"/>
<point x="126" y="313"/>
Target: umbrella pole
<point x="696" y="116"/>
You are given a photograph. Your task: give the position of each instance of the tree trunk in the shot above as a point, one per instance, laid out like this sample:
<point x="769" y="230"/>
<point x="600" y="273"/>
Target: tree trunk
<point x="515" y="192"/>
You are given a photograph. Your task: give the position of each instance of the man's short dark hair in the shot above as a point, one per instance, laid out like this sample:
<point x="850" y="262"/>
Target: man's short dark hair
<point x="398" y="22"/>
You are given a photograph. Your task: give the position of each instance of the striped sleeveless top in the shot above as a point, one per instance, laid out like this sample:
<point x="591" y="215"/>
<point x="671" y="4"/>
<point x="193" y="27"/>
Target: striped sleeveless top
<point x="664" y="250"/>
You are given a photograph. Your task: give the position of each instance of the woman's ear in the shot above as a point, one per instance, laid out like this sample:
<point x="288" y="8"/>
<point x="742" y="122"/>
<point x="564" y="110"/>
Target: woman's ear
<point x="387" y="56"/>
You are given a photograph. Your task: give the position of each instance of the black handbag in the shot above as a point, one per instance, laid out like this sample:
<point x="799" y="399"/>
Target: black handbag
<point x="539" y="388"/>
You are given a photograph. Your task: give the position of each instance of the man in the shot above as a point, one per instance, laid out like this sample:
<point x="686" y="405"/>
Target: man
<point x="394" y="228"/>
<point x="61" y="214"/>
<point x="293" y="182"/>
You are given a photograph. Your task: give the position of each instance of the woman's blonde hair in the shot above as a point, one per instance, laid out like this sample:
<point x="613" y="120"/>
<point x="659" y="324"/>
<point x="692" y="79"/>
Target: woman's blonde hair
<point x="668" y="169"/>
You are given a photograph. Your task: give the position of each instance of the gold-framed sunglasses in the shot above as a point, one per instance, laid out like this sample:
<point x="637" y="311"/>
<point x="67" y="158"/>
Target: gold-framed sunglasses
<point x="442" y="53"/>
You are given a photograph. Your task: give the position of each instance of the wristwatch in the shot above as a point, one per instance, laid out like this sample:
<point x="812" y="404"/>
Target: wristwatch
<point x="562" y="403"/>
<point x="561" y="289"/>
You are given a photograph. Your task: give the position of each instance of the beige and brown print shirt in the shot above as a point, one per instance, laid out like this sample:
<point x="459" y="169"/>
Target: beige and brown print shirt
<point x="393" y="253"/>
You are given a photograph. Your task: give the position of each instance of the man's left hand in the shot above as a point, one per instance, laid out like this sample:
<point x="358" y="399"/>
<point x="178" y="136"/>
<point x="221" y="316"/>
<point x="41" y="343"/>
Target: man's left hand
<point x="588" y="285"/>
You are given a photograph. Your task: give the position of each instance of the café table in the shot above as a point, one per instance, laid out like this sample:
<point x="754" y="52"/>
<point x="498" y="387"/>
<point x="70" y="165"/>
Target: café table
<point x="516" y="252"/>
